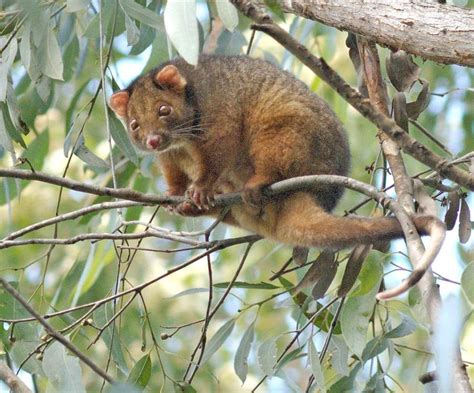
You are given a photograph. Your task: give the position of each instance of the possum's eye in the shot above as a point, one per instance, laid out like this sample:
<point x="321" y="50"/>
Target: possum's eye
<point x="164" y="110"/>
<point x="134" y="125"/>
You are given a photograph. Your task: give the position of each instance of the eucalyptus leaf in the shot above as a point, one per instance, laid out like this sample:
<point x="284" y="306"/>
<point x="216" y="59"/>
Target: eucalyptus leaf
<point x="353" y="267"/>
<point x="316" y="368"/>
<point x="141" y="372"/>
<point x="228" y="14"/>
<point x="267" y="356"/>
<point x="358" y="308"/>
<point x="141" y="14"/>
<point x="63" y="371"/>
<point x="241" y="356"/>
<point x="120" y="137"/>
<point x="401" y="70"/>
<point x="465" y="226"/>
<point x="49" y="56"/>
<point x="467" y="282"/>
<point x="182" y="28"/>
<point x="76" y="5"/>
<point x="452" y="212"/>
<point x="217" y="340"/>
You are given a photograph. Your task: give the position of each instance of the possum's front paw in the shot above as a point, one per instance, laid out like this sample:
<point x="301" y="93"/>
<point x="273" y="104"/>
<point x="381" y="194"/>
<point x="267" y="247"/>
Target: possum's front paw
<point x="253" y="195"/>
<point x="188" y="209"/>
<point x="202" y="196"/>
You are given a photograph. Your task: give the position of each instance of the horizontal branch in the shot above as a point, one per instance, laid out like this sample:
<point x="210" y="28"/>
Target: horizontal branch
<point x="438" y="32"/>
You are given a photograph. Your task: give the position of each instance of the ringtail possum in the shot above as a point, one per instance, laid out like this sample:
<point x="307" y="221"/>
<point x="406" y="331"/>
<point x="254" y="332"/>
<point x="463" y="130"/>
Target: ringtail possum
<point x="237" y="124"/>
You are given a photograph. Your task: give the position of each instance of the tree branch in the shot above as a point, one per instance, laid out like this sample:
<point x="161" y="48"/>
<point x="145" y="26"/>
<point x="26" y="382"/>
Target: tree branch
<point x="438" y="32"/>
<point x="12" y="380"/>
<point x="53" y="333"/>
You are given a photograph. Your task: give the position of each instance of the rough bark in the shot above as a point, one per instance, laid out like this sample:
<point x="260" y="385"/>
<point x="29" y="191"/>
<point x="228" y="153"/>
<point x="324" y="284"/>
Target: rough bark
<point x="434" y="31"/>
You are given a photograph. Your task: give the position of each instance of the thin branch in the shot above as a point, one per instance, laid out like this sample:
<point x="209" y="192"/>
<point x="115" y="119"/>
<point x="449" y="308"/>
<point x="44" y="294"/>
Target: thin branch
<point x="53" y="333"/>
<point x="12" y="380"/>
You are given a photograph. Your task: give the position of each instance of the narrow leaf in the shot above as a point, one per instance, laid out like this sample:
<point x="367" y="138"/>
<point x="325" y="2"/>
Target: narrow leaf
<point x="321" y="267"/>
<point x="142" y="14"/>
<point x="406" y="327"/>
<point x="467" y="282"/>
<point x="452" y="213"/>
<point x="141" y="372"/>
<point x="248" y="285"/>
<point x="217" y="340"/>
<point x="426" y="204"/>
<point x="421" y="103"/>
<point x="267" y="356"/>
<point x="316" y="367"/>
<point x="401" y="70"/>
<point x="241" y="356"/>
<point x="182" y="28"/>
<point x="400" y="110"/>
<point x="465" y="227"/>
<point x="228" y="14"/>
<point x="49" y="56"/>
<point x="353" y="267"/>
<point x="120" y="137"/>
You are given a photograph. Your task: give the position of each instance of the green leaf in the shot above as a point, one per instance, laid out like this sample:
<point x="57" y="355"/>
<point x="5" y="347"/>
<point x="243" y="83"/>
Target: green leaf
<point x="316" y="367"/>
<point x="358" y="307"/>
<point x="190" y="291"/>
<point x="242" y="284"/>
<point x="76" y="5"/>
<point x="83" y="152"/>
<point x="141" y="14"/>
<point x="63" y="371"/>
<point x="37" y="150"/>
<point x="374" y="348"/>
<point x="217" y="340"/>
<point x="182" y="28"/>
<point x="49" y="56"/>
<point x="140" y="374"/>
<point x="120" y="137"/>
<point x="267" y="356"/>
<point x="133" y="32"/>
<point x="406" y="327"/>
<point x="228" y="14"/>
<point x="467" y="282"/>
<point x="241" y="356"/>
<point x="346" y="384"/>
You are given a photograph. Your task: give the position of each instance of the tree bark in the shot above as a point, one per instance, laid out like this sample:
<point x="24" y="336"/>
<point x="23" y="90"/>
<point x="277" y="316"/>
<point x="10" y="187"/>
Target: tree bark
<point x="434" y="31"/>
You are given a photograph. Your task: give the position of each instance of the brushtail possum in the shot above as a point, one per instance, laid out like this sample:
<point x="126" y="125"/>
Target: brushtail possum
<point x="237" y="124"/>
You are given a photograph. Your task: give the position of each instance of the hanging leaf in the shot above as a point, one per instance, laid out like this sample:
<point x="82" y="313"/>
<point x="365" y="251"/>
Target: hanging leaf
<point x="83" y="152"/>
<point x="49" y="56"/>
<point x="401" y="70"/>
<point x="465" y="226"/>
<point x="426" y="204"/>
<point x="300" y="255"/>
<point x="321" y="268"/>
<point x="182" y="28"/>
<point x="141" y="372"/>
<point x="63" y="371"/>
<point x="241" y="356"/>
<point x="452" y="213"/>
<point x="133" y="32"/>
<point x="467" y="282"/>
<point x="217" y="340"/>
<point x="120" y="137"/>
<point x="267" y="356"/>
<point x="228" y="14"/>
<point x="421" y="103"/>
<point x="406" y="327"/>
<point x="374" y="348"/>
<point x="358" y="307"/>
<point x="76" y="5"/>
<point x="6" y="60"/>
<point x="142" y="14"/>
<point x="400" y="110"/>
<point x="353" y="267"/>
<point x="316" y="369"/>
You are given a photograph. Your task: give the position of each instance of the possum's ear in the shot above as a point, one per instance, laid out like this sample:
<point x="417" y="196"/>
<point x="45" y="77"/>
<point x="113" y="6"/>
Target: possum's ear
<point x="119" y="102"/>
<point x="169" y="77"/>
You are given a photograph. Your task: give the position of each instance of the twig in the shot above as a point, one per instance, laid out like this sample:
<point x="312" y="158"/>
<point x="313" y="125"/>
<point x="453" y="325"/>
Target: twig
<point x="12" y="380"/>
<point x="53" y="333"/>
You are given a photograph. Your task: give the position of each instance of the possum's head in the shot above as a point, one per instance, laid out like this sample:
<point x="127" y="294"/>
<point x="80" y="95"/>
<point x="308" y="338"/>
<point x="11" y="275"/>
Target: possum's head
<point x="158" y="110"/>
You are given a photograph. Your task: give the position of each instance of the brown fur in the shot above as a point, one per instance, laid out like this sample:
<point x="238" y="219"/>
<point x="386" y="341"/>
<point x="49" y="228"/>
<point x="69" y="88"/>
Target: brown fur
<point x="240" y="124"/>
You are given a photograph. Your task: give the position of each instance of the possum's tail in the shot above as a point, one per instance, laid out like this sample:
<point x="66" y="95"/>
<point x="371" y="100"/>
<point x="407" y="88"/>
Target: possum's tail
<point x="300" y="222"/>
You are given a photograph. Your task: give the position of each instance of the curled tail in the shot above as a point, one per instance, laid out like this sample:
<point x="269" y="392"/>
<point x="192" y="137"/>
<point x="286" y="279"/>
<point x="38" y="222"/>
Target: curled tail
<point x="300" y="222"/>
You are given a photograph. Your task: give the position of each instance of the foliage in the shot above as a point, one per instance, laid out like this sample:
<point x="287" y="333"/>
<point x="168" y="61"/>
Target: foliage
<point x="147" y="310"/>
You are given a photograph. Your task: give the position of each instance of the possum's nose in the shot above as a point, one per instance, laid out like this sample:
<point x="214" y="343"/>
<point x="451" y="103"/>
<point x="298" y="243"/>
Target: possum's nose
<point x="154" y="141"/>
